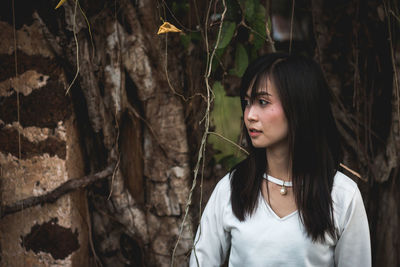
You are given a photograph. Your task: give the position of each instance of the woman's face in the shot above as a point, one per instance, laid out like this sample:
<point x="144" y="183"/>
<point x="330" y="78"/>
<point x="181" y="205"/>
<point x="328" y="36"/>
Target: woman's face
<point x="265" y="119"/>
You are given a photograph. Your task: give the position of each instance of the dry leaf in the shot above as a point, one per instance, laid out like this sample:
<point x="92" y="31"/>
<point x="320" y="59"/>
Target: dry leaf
<point x="60" y="3"/>
<point x="167" y="27"/>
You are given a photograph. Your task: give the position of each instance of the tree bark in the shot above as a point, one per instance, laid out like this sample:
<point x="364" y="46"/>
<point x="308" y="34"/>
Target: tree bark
<point x="52" y="196"/>
<point x="129" y="113"/>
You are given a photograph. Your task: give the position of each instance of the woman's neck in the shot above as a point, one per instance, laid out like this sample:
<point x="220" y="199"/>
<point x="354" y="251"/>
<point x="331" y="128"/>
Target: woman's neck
<point x="278" y="164"/>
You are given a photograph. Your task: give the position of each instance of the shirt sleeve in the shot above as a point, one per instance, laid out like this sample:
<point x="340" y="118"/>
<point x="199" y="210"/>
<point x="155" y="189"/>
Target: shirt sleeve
<point x="353" y="247"/>
<point x="212" y="241"/>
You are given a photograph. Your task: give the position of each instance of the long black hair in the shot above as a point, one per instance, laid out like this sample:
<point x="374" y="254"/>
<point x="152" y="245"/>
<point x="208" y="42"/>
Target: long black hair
<point x="314" y="147"/>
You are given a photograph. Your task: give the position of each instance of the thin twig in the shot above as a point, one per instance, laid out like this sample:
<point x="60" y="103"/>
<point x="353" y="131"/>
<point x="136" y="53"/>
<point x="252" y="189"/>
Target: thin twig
<point x="352" y="172"/>
<point x="167" y="76"/>
<point x="230" y="141"/>
<point x="89" y="29"/>
<point x="77" y="50"/>
<point x="207" y="120"/>
<point x="113" y="177"/>
<point x="200" y="204"/>
<point x="244" y="24"/>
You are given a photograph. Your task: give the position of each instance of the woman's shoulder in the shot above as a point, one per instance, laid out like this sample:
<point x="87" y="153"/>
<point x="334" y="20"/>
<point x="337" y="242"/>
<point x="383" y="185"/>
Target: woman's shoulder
<point x="224" y="185"/>
<point x="343" y="191"/>
<point x="348" y="204"/>
<point x="344" y="183"/>
<point x="220" y="197"/>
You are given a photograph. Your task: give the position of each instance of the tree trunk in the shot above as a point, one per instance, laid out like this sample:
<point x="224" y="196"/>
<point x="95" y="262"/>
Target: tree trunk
<point x="128" y="113"/>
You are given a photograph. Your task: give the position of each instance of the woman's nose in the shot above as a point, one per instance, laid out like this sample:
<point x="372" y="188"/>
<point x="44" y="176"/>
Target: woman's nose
<point x="252" y="113"/>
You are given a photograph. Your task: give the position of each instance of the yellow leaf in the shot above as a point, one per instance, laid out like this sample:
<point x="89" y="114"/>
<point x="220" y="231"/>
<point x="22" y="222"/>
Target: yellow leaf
<point x="60" y="3"/>
<point x="167" y="27"/>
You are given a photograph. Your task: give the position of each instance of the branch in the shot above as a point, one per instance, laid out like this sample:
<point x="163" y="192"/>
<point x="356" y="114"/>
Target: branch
<point x="55" y="194"/>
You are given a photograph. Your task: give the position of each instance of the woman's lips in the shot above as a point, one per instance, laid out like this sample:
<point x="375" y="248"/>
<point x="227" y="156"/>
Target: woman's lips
<point x="254" y="133"/>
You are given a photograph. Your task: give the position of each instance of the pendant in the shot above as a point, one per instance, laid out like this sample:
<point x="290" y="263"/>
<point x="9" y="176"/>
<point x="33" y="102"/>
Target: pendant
<point x="283" y="190"/>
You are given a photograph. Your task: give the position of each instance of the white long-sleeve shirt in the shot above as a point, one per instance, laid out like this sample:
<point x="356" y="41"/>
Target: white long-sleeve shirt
<point x="265" y="239"/>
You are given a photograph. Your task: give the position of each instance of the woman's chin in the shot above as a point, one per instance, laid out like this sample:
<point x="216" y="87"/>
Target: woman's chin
<point x="258" y="145"/>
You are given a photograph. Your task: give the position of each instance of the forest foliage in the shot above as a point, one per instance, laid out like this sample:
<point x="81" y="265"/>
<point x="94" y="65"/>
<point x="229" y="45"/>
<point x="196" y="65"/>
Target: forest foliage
<point x="243" y="36"/>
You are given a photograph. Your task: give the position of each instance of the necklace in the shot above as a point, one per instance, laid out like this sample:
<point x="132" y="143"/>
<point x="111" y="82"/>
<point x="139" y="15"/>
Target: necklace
<point x="277" y="181"/>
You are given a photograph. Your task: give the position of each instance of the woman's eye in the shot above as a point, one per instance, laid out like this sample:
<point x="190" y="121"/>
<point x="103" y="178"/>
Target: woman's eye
<point x="263" y="102"/>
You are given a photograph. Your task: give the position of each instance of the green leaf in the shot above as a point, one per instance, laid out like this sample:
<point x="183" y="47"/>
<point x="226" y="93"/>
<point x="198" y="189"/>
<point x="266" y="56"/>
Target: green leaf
<point x="249" y="9"/>
<point x="233" y="72"/>
<point x="258" y="25"/>
<point x="228" y="29"/>
<point x="226" y="120"/>
<point x="241" y="60"/>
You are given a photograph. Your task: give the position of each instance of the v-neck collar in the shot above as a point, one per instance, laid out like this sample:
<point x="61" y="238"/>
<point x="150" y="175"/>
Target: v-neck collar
<point x="269" y="209"/>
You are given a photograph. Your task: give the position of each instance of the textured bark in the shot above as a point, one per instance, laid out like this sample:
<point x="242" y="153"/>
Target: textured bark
<point x="39" y="150"/>
<point x="352" y="46"/>
<point x="52" y="196"/>
<point x="135" y="58"/>
<point x="128" y="114"/>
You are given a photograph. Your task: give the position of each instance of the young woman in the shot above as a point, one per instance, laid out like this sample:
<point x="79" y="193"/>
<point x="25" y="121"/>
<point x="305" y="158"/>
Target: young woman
<point x="286" y="204"/>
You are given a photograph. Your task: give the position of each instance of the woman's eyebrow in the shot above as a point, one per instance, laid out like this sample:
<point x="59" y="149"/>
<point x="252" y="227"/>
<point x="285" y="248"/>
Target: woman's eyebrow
<point x="263" y="93"/>
<point x="259" y="94"/>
